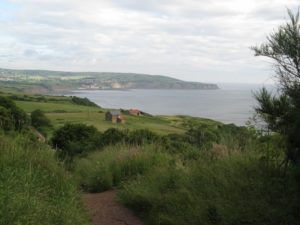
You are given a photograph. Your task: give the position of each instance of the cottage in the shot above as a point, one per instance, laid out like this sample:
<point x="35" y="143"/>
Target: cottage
<point x="114" y="116"/>
<point x="134" y="112"/>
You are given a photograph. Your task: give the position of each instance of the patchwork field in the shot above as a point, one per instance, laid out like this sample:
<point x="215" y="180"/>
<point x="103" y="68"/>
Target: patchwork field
<point x="61" y="110"/>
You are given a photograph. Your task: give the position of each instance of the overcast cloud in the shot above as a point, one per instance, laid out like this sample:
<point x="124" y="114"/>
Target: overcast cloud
<point x="193" y="40"/>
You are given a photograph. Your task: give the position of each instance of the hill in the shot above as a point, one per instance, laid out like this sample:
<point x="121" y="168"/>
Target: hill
<point x="168" y="170"/>
<point x="44" y="81"/>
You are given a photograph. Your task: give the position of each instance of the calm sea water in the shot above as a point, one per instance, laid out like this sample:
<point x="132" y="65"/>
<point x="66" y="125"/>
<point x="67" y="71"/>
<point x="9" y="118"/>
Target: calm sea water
<point x="232" y="103"/>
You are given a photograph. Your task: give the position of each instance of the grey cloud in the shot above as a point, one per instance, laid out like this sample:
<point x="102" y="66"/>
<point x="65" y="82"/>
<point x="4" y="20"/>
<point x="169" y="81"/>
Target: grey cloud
<point x="182" y="38"/>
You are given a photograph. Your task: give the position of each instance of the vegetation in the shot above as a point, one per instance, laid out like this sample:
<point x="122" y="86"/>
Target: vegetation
<point x="34" y="187"/>
<point x="237" y="189"/>
<point x="83" y="101"/>
<point x="205" y="183"/>
<point x="103" y="170"/>
<point x="11" y="117"/>
<point x="75" y="139"/>
<point x="40" y="121"/>
<point x="61" y="110"/>
<point x="204" y="172"/>
<point x="281" y="112"/>
<point x="42" y="81"/>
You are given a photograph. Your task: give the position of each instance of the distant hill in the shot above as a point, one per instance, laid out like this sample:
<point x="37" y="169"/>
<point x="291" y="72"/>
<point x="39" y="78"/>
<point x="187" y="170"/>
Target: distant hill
<point x="57" y="81"/>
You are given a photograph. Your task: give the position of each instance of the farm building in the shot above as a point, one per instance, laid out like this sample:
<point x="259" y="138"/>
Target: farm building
<point x="114" y="116"/>
<point x="134" y="112"/>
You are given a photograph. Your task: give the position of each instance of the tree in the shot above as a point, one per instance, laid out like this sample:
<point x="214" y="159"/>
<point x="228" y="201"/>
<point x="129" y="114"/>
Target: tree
<point x="11" y="116"/>
<point x="281" y="112"/>
<point x="75" y="139"/>
<point x="283" y="46"/>
<point x="39" y="120"/>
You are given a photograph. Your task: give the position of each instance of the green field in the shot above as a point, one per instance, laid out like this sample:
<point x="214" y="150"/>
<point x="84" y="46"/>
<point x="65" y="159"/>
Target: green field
<point x="62" y="111"/>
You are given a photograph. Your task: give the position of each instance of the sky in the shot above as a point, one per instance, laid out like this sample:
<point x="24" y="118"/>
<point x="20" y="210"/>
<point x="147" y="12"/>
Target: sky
<point x="193" y="40"/>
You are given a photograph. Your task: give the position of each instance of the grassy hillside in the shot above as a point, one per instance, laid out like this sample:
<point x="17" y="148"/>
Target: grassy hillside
<point x="42" y="81"/>
<point x="34" y="187"/>
<point x="175" y="170"/>
<point x="217" y="185"/>
<point x="61" y="110"/>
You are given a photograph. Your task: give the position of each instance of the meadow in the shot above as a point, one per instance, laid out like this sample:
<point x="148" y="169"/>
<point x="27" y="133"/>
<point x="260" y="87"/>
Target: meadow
<point x="60" y="111"/>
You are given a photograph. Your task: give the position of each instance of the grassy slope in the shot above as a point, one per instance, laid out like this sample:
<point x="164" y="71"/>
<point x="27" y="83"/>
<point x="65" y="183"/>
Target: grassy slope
<point x="34" y="188"/>
<point x="63" y="111"/>
<point x="164" y="188"/>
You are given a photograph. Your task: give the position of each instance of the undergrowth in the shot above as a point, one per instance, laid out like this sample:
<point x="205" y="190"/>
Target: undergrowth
<point x="105" y="169"/>
<point x="34" y="188"/>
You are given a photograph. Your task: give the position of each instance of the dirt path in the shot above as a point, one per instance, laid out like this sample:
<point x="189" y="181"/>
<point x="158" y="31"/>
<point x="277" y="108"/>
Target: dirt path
<point x="105" y="210"/>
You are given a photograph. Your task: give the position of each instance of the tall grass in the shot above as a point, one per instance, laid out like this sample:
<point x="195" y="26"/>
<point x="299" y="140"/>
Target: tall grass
<point x="34" y="189"/>
<point x="235" y="189"/>
<point x="105" y="169"/>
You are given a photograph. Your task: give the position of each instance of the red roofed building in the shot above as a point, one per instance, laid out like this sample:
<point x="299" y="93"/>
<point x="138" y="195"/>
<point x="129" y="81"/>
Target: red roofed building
<point x="134" y="112"/>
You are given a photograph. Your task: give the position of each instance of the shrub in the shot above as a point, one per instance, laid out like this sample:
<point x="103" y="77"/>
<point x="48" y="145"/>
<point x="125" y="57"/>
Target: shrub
<point x="10" y="114"/>
<point x="143" y="136"/>
<point x="40" y="121"/>
<point x="113" y="136"/>
<point x="103" y="170"/>
<point x="83" y="101"/>
<point x="6" y="122"/>
<point x="75" y="139"/>
<point x="235" y="189"/>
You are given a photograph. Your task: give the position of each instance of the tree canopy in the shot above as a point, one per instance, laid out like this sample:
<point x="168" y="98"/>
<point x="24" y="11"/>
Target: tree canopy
<point x="281" y="111"/>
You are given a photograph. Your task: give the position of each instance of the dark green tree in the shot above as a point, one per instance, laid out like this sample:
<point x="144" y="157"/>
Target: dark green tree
<point x="75" y="140"/>
<point x="11" y="116"/>
<point x="113" y="136"/>
<point x="281" y="111"/>
<point x="39" y="120"/>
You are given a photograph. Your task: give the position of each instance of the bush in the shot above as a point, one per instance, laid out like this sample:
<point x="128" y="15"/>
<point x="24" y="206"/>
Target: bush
<point x="11" y="116"/>
<point x="113" y="136"/>
<point x="34" y="189"/>
<point x="6" y="123"/>
<point x="103" y="170"/>
<point x="40" y="121"/>
<point x="236" y="189"/>
<point x="142" y="136"/>
<point x="75" y="140"/>
<point x="83" y="101"/>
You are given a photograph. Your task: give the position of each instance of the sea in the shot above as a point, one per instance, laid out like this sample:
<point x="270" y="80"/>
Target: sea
<point x="232" y="103"/>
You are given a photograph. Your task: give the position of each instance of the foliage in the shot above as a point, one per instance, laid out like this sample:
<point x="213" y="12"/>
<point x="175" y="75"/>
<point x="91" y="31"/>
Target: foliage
<point x="6" y="122"/>
<point x="238" y="189"/>
<point x="11" y="116"/>
<point x="60" y="111"/>
<point x="282" y="112"/>
<point x="282" y="46"/>
<point x="83" y="101"/>
<point x="202" y="136"/>
<point x="143" y="136"/>
<point x="113" y="136"/>
<point x="34" y="188"/>
<point x="105" y="169"/>
<point x="75" y="139"/>
<point x="39" y="120"/>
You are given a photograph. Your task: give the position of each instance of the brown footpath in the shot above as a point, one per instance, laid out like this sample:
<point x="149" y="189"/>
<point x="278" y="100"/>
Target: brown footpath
<point x="104" y="209"/>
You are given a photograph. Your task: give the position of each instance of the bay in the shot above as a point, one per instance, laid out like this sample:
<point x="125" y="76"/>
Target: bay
<point x="232" y="103"/>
